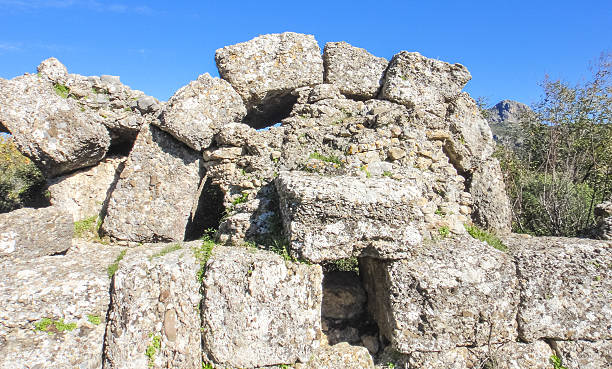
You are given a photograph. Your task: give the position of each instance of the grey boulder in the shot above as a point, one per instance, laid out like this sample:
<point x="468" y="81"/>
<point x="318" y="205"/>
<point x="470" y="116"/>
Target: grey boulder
<point x="258" y="309"/>
<point x="267" y="68"/>
<point x="356" y="72"/>
<point x="30" y="233"/>
<point x="156" y="191"/>
<point x="197" y="111"/>
<point x="492" y="208"/>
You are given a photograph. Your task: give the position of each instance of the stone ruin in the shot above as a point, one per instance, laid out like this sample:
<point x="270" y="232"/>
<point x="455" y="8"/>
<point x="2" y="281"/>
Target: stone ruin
<point x="336" y="188"/>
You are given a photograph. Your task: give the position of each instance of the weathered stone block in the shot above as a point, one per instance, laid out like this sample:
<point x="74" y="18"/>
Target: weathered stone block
<point x="267" y="68"/>
<point x="337" y="356"/>
<point x="419" y="82"/>
<point x="30" y="233"/>
<point x="330" y="218"/>
<point x="565" y="287"/>
<point x="156" y="191"/>
<point x="197" y="111"/>
<point x="68" y="292"/>
<point x="586" y="354"/>
<point x="492" y="208"/>
<point x="84" y="193"/>
<point x="259" y="309"/>
<point x="356" y="72"/>
<point x="155" y="309"/>
<point x="458" y="292"/>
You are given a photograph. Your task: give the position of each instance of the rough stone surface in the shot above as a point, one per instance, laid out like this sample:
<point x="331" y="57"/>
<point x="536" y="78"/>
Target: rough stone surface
<point x="419" y="82"/>
<point x="155" y="295"/>
<point x="84" y="193"/>
<point x="356" y="72"/>
<point x="258" y="309"/>
<point x="459" y="292"/>
<point x="604" y="227"/>
<point x="199" y="110"/>
<point x="267" y="68"/>
<point x="329" y="218"/>
<point x="491" y="203"/>
<point x="73" y="287"/>
<point x="565" y="287"/>
<point x="50" y="129"/>
<point x="585" y="354"/>
<point x="29" y="233"/>
<point x="343" y="296"/>
<point x="155" y="193"/>
<point x="337" y="356"/>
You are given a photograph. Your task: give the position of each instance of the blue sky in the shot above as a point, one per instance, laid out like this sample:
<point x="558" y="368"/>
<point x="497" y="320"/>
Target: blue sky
<point x="159" y="46"/>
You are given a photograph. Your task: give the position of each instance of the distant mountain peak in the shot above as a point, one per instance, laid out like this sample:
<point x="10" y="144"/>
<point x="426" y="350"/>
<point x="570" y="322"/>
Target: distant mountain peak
<point x="507" y="111"/>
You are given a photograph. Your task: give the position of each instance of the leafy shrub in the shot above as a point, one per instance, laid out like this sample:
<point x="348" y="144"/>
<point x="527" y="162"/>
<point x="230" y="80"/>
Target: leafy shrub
<point x="21" y="182"/>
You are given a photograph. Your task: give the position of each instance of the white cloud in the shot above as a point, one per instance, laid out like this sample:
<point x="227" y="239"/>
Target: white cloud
<point x="8" y="46"/>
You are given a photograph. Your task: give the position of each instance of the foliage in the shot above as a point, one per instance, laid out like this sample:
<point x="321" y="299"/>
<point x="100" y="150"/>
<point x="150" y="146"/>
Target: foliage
<point x="203" y="253"/>
<point x="166" y="250"/>
<point x="444" y="231"/>
<point x="21" y="182"/>
<point x="343" y="265"/>
<point x="89" y="229"/>
<point x="328" y="159"/>
<point x="485" y="236"/>
<point x="152" y="349"/>
<point x="112" y="269"/>
<point x="94" y="319"/>
<point x="53" y="326"/>
<point x="556" y="362"/>
<point x="564" y="166"/>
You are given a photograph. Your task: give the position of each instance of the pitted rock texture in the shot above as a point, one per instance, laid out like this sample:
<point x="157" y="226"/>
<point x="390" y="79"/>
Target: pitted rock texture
<point x="197" y="111"/>
<point x="427" y="84"/>
<point x="267" y="68"/>
<point x="104" y="98"/>
<point x="84" y="193"/>
<point x="258" y="309"/>
<point x="51" y="129"/>
<point x="343" y="296"/>
<point x="565" y="287"/>
<point x="72" y="288"/>
<point x="155" y="193"/>
<point x="491" y="203"/>
<point x="450" y="293"/>
<point x="604" y="227"/>
<point x="585" y="354"/>
<point x="330" y="218"/>
<point x="355" y="72"/>
<point x="337" y="356"/>
<point x="155" y="298"/>
<point x="30" y="233"/>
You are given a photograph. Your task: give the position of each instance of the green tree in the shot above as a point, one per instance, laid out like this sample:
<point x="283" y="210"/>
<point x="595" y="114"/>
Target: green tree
<point x="564" y="166"/>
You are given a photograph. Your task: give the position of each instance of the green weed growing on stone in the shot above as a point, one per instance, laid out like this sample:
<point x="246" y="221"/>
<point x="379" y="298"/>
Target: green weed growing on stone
<point x="387" y="173"/>
<point x="556" y="362"/>
<point x="152" y="349"/>
<point x="61" y="90"/>
<point x="203" y="253"/>
<point x="282" y="248"/>
<point x="94" y="319"/>
<point x="485" y="236"/>
<point x="207" y="366"/>
<point x="444" y="231"/>
<point x="328" y="159"/>
<point x="53" y="326"/>
<point x="166" y="250"/>
<point x="364" y="168"/>
<point x="244" y="196"/>
<point x="89" y="229"/>
<point x="112" y="269"/>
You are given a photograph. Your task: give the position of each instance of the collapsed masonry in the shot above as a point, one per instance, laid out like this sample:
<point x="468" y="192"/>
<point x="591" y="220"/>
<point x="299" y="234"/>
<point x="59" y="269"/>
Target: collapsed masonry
<point x="375" y="160"/>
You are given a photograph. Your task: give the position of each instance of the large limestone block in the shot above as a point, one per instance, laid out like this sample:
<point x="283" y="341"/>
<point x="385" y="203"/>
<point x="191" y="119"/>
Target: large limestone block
<point x="586" y="354"/>
<point x="197" y="111"/>
<point x="337" y="356"/>
<point x="330" y="218"/>
<point x="155" y="309"/>
<point x="69" y="293"/>
<point x="419" y="82"/>
<point x="565" y="287"/>
<point x="259" y="309"/>
<point x="155" y="193"/>
<point x="604" y="226"/>
<point x="50" y="129"/>
<point x="459" y="292"/>
<point x="83" y="193"/>
<point x="267" y="68"/>
<point x="356" y="72"/>
<point x="491" y="207"/>
<point x="31" y="233"/>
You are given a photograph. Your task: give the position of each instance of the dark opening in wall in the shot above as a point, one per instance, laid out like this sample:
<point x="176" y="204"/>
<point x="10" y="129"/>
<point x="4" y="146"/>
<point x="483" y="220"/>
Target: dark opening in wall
<point x="3" y="129"/>
<point x="208" y="213"/>
<point x="268" y="113"/>
<point x="121" y="147"/>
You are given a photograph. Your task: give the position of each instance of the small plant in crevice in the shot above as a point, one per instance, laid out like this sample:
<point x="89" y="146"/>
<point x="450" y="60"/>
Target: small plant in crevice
<point x="444" y="231"/>
<point x="166" y="250"/>
<point x="364" y="168"/>
<point x="53" y="326"/>
<point x="350" y="264"/>
<point x="89" y="229"/>
<point x="94" y="319"/>
<point x="203" y="253"/>
<point x="112" y="269"/>
<point x="328" y="159"/>
<point x="485" y="236"/>
<point x="387" y="173"/>
<point x="207" y="366"/>
<point x="556" y="362"/>
<point x="153" y="348"/>
<point x="61" y="90"/>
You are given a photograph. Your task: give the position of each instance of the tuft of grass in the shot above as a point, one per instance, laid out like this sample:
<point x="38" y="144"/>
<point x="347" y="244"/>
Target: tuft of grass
<point x="556" y="362"/>
<point x="166" y="250"/>
<point x="364" y="168"/>
<point x="152" y="349"/>
<point x="482" y="235"/>
<point x="387" y="173"/>
<point x="207" y="366"/>
<point x="112" y="269"/>
<point x="203" y="253"/>
<point x="244" y="196"/>
<point x="444" y="231"/>
<point x="53" y="326"/>
<point x="61" y="90"/>
<point x="94" y="319"/>
<point x="282" y="248"/>
<point x="328" y="159"/>
<point x="89" y="229"/>
<point x="344" y="265"/>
